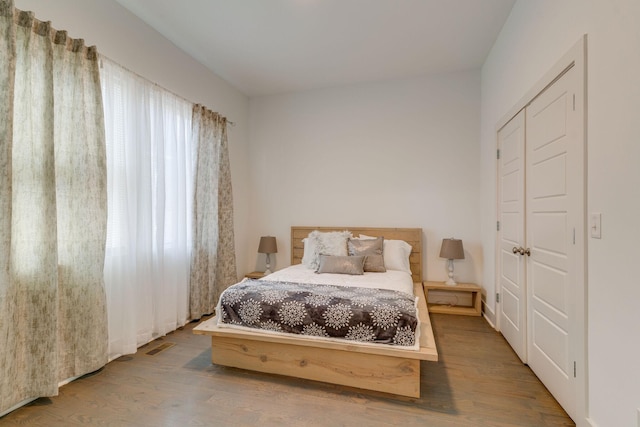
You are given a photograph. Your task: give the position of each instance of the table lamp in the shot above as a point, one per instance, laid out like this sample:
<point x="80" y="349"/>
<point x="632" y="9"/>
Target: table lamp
<point x="268" y="246"/>
<point x="451" y="249"/>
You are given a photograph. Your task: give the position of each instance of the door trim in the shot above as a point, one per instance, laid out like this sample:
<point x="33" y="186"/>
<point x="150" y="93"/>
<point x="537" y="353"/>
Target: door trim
<point x="575" y="57"/>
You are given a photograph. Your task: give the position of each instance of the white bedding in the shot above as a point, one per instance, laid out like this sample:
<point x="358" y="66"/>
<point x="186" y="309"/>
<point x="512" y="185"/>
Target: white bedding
<point x="392" y="279"/>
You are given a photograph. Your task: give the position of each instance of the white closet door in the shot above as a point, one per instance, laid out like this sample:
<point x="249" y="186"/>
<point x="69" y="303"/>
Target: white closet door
<point x="511" y="194"/>
<point x="554" y="189"/>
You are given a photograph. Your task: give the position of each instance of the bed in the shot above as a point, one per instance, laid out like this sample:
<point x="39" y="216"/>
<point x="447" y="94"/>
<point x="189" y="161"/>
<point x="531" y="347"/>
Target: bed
<point x="381" y="368"/>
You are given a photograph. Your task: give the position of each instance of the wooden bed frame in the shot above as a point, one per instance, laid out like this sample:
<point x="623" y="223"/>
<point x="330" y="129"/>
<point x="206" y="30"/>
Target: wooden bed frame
<point x="385" y="369"/>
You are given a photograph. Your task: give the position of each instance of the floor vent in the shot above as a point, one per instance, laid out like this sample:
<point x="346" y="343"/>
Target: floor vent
<point x="161" y="347"/>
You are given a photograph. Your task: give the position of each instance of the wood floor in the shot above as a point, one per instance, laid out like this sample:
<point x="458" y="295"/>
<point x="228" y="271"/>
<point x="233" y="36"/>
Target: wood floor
<point x="477" y="382"/>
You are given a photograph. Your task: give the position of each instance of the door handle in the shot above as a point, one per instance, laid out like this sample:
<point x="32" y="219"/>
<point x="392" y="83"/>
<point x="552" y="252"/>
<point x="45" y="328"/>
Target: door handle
<point x="526" y="252"/>
<point x="519" y="250"/>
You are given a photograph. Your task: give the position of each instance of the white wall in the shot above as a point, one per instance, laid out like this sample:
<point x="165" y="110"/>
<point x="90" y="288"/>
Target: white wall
<point x="536" y="35"/>
<point x="392" y="154"/>
<point x="124" y="38"/>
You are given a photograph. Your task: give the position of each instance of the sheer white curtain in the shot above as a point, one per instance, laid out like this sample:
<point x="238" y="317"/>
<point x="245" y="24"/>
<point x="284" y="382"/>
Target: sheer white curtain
<point x="150" y="164"/>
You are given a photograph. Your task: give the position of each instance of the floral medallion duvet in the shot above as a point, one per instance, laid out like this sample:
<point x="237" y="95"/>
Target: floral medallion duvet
<point x="358" y="314"/>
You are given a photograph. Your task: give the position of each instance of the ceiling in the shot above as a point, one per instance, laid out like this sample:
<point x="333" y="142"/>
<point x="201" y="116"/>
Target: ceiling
<point x="265" y="47"/>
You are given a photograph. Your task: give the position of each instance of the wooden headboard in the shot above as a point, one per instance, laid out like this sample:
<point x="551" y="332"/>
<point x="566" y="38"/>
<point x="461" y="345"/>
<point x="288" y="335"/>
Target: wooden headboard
<point x="413" y="236"/>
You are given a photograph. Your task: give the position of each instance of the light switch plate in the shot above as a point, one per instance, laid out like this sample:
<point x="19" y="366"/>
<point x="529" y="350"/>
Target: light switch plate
<point x="595" y="224"/>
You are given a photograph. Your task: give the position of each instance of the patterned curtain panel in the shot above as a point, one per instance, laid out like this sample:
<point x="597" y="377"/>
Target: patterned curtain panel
<point x="213" y="260"/>
<point x="52" y="207"/>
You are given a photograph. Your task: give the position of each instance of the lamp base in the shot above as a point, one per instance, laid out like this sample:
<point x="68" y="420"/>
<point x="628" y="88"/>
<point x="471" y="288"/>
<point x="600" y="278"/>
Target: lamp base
<point x="268" y="265"/>
<point x="450" y="281"/>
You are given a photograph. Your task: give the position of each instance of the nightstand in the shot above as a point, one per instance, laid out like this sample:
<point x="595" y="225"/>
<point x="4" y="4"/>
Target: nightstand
<point x="476" y="298"/>
<point x="255" y="275"/>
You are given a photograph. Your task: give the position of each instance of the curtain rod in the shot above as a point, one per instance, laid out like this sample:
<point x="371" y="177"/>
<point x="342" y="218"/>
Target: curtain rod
<point x="101" y="56"/>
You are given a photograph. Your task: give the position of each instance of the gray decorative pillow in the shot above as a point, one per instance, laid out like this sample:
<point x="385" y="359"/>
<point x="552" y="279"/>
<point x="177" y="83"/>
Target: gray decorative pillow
<point x="341" y="264"/>
<point x="327" y="243"/>
<point x="372" y="250"/>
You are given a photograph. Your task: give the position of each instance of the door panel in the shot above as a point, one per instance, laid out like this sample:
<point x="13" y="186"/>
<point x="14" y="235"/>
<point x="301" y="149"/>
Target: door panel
<point x="548" y="177"/>
<point x="551" y="286"/>
<point x="549" y="111"/>
<point x="511" y="266"/>
<point x="510" y="186"/>
<point x="551" y="231"/>
<point x="553" y="342"/>
<point x="511" y="310"/>
<point x="510" y="226"/>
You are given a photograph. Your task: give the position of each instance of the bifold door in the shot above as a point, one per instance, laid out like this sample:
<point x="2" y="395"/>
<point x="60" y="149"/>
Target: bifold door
<point x="541" y="211"/>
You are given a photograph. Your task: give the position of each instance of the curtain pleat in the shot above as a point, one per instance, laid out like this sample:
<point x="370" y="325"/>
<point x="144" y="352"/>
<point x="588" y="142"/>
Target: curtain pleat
<point x="52" y="299"/>
<point x="213" y="262"/>
<point x="81" y="200"/>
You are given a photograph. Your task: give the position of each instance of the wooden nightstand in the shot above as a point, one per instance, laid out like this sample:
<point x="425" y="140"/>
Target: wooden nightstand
<point x="476" y="298"/>
<point x="255" y="275"/>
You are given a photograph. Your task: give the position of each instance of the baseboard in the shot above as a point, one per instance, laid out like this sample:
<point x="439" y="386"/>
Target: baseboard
<point x="489" y="315"/>
<point x="588" y="423"/>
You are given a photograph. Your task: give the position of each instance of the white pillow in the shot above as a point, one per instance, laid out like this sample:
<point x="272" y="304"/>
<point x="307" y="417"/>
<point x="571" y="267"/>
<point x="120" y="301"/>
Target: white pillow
<point x="325" y="243"/>
<point x="395" y="253"/>
<point x="309" y="250"/>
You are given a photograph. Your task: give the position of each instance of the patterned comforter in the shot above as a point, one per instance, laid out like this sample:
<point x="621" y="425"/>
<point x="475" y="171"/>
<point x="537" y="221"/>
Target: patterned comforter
<point x="359" y="314"/>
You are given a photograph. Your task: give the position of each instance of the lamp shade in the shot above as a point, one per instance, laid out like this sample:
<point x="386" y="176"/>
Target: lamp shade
<point x="452" y="249"/>
<point x="268" y="245"/>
